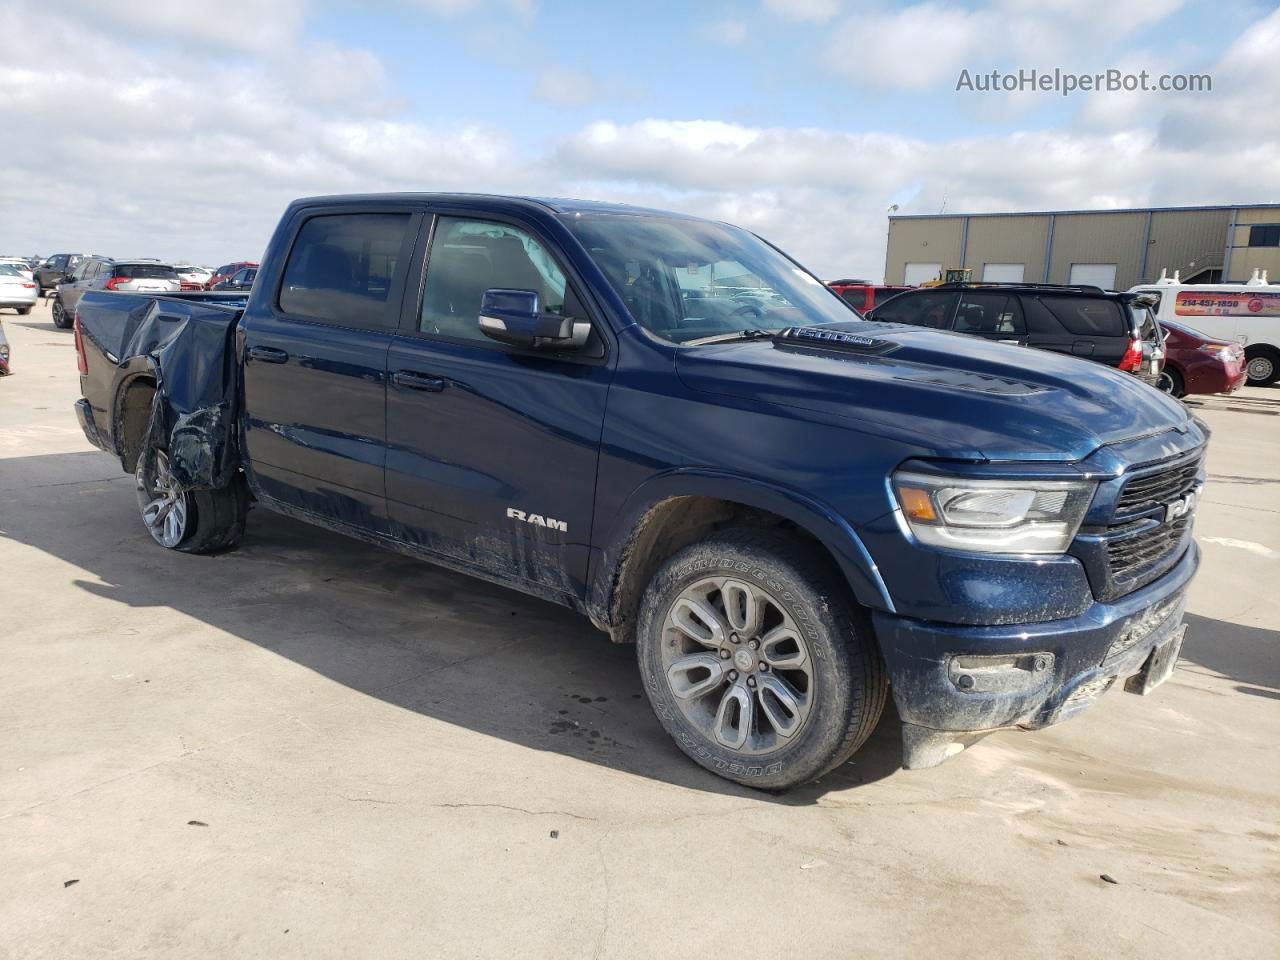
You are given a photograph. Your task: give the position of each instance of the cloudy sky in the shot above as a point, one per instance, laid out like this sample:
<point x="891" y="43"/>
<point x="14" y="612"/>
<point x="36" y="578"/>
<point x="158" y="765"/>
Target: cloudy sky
<point x="180" y="130"/>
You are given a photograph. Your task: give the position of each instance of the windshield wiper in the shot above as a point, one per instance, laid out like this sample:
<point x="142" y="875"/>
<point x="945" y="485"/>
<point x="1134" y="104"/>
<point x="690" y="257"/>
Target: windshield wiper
<point x="729" y="337"/>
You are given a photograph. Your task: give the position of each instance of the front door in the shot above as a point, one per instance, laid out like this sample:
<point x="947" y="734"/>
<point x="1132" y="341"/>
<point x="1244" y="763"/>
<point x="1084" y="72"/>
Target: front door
<point x="315" y="351"/>
<point x="492" y="449"/>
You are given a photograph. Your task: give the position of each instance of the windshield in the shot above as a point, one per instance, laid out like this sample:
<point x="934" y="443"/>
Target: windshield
<point x="688" y="279"/>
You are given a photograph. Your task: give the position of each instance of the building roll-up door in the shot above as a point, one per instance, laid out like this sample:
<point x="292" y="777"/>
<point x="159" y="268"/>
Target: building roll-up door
<point x="1003" y="272"/>
<point x="918" y="273"/>
<point x="1094" y="274"/>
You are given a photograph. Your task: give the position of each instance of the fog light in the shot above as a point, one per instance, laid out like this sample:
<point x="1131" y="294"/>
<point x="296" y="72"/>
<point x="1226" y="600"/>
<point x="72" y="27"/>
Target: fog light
<point x="1010" y="673"/>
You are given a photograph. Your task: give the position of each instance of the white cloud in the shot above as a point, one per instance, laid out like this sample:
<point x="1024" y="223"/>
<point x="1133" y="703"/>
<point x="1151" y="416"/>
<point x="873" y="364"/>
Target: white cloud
<point x="726" y="32"/>
<point x="812" y="11"/>
<point x="565" y="87"/>
<point x="925" y="45"/>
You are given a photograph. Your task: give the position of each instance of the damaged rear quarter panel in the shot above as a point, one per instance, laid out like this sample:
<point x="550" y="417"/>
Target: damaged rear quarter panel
<point x="187" y="347"/>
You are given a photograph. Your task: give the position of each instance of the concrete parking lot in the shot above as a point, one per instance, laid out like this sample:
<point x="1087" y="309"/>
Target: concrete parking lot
<point x="309" y="747"/>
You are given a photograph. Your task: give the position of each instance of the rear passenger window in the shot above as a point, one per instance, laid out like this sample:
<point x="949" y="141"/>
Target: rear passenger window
<point x="342" y="266"/>
<point x="919" y="309"/>
<point x="469" y="257"/>
<point x="1085" y="317"/>
<point x="991" y="314"/>
<point x="855" y="298"/>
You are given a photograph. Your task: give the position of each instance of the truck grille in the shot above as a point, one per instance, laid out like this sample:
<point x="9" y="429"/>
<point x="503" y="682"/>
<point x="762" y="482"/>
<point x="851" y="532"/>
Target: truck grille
<point x="1145" y="549"/>
<point x="1142" y="493"/>
<point x="1141" y="544"/>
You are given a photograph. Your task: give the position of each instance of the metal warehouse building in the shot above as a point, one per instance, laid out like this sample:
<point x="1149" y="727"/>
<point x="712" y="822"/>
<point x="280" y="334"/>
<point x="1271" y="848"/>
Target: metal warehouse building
<point x="1114" y="249"/>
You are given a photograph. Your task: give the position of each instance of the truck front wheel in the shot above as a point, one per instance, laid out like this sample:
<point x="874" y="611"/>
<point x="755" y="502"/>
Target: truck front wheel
<point x="756" y="660"/>
<point x="193" y="521"/>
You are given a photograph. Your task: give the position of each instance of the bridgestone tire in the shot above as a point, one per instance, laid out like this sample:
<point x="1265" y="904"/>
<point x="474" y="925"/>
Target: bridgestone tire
<point x="849" y="684"/>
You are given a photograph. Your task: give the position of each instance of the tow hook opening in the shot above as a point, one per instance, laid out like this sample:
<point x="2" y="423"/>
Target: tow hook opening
<point x="1008" y="673"/>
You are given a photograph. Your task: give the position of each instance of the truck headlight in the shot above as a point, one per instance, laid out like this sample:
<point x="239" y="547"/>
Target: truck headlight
<point x="993" y="516"/>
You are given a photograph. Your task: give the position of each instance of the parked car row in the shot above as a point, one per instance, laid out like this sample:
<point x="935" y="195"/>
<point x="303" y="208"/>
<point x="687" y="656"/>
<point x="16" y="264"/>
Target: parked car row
<point x="1142" y="331"/>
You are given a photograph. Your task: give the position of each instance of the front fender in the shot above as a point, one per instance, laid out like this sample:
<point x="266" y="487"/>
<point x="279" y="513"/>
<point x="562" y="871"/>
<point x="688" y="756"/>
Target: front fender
<point x="820" y="521"/>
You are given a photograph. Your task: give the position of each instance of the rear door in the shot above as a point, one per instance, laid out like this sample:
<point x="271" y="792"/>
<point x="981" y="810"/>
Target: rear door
<point x="492" y="449"/>
<point x="1092" y="327"/>
<point x="926" y="308"/>
<point x="80" y="280"/>
<point x="314" y="349"/>
<point x="992" y="316"/>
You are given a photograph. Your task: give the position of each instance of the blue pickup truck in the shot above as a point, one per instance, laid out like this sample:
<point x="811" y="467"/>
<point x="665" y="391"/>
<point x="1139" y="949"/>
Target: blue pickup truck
<point x="669" y="425"/>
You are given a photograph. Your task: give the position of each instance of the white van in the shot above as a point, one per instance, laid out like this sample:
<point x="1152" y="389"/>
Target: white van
<point x="1245" y="312"/>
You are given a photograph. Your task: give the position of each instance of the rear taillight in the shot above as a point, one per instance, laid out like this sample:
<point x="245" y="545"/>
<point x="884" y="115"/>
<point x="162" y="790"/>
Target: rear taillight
<point x="28" y="286"/>
<point x="1132" y="359"/>
<point x="111" y="284"/>
<point x="82" y="360"/>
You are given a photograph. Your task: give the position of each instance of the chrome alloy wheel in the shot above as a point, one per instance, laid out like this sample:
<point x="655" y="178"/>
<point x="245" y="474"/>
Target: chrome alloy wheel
<point x="1261" y="368"/>
<point x="737" y="664"/>
<point x="164" y="510"/>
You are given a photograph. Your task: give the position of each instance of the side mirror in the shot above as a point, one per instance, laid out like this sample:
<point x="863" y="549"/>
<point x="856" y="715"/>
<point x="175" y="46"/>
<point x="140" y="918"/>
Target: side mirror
<point x="512" y="316"/>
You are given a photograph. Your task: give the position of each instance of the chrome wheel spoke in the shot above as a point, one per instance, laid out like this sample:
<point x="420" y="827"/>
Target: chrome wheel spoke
<point x="742" y="607"/>
<point x="733" y="717"/>
<point x="781" y="703"/>
<point x="698" y="621"/>
<point x="782" y="648"/>
<point x="695" y="675"/>
<point x="737" y="665"/>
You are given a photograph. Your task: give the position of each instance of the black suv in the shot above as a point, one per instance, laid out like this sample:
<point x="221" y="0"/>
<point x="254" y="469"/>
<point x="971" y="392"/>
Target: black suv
<point x="1117" y="329"/>
<point x="54" y="270"/>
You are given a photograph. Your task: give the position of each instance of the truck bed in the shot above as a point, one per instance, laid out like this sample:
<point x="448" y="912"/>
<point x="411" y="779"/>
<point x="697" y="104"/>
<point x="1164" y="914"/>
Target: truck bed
<point x="183" y="343"/>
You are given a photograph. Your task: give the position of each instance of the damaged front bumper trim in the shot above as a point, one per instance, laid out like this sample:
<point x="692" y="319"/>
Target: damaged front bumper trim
<point x="1028" y="676"/>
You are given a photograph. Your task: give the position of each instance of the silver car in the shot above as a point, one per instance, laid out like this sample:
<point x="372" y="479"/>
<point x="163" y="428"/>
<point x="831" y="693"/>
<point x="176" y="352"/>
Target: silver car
<point x="17" y="289"/>
<point x="123" y="276"/>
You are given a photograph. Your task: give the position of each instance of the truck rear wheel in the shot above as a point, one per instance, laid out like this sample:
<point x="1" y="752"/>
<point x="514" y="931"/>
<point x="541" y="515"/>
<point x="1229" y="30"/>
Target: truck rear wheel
<point x="756" y="660"/>
<point x="193" y="521"/>
<point x="1262" y="365"/>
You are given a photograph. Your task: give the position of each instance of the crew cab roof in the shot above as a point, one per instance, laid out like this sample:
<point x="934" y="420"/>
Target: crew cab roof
<point x="496" y="203"/>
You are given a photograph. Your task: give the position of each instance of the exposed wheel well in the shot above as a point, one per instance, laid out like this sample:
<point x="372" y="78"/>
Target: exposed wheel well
<point x="133" y="411"/>
<point x="669" y="526"/>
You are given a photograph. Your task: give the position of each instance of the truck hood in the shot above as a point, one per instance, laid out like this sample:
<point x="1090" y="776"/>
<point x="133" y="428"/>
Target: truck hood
<point x="961" y="396"/>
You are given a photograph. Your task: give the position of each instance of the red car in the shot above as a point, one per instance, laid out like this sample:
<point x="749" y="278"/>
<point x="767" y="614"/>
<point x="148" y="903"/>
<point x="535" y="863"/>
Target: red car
<point x="226" y="272"/>
<point x="862" y="296"/>
<point x="1195" y="363"/>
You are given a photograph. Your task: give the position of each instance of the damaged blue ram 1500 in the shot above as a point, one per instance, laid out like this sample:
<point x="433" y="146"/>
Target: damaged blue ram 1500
<point x="670" y="426"/>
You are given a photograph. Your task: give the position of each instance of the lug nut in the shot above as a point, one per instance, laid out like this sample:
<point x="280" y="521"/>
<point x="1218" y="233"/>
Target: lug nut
<point x="734" y="638"/>
<point x="764" y="668"/>
<point x="754" y="644"/>
<point x="751" y="681"/>
<point x="733" y="675"/>
<point x="724" y="654"/>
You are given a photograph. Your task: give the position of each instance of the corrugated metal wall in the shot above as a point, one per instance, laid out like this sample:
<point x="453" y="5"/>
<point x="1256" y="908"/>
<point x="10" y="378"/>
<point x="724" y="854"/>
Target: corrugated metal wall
<point x="1008" y="240"/>
<point x="936" y="240"/>
<point x="1178" y="239"/>
<point x="1098" y="238"/>
<point x="1182" y="238"/>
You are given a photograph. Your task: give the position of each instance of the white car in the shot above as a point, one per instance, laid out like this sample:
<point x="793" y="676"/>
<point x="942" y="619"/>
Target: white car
<point x="17" y="289"/>
<point x="189" y="274"/>
<point x="20" y="265"/>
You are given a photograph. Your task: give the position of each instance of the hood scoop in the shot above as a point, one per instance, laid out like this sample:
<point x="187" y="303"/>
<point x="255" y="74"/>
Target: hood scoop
<point x="826" y="338"/>
<point x="848" y="346"/>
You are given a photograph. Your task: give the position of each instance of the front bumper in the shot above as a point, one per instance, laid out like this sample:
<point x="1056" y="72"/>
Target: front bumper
<point x="1057" y="668"/>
